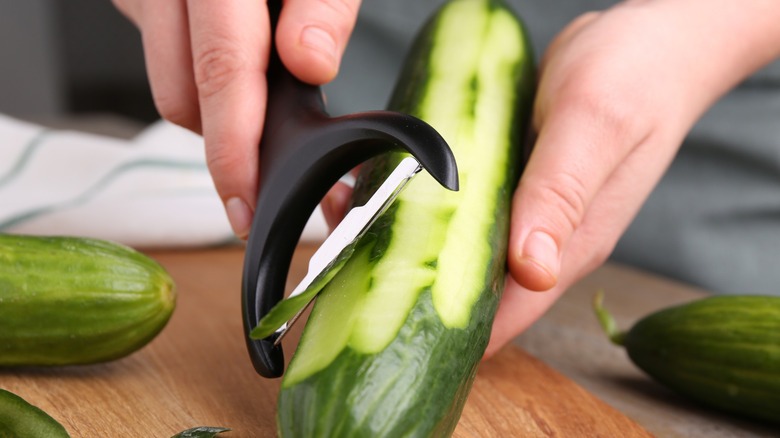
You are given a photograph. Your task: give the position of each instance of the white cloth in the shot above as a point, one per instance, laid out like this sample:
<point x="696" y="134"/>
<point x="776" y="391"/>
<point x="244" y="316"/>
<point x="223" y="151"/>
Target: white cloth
<point x="153" y="191"/>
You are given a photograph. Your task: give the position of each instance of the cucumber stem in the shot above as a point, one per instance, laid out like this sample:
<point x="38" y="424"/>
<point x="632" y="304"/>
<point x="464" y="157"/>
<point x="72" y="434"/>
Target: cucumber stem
<point x="606" y="320"/>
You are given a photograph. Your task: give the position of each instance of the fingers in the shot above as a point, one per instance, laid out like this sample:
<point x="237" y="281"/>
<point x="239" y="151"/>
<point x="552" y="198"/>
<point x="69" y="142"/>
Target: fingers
<point x="166" y="41"/>
<point x="606" y="134"/>
<point x="312" y="36"/>
<point x="165" y="35"/>
<point x="590" y="115"/>
<point x="610" y="213"/>
<point x="576" y="152"/>
<point x="230" y="40"/>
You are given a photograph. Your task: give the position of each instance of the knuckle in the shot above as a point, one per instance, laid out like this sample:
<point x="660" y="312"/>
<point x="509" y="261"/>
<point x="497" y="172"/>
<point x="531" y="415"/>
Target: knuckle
<point x="217" y="65"/>
<point x="340" y="14"/>
<point x="615" y="115"/>
<point x="612" y="127"/>
<point x="567" y="194"/>
<point x="222" y="162"/>
<point x="611" y="106"/>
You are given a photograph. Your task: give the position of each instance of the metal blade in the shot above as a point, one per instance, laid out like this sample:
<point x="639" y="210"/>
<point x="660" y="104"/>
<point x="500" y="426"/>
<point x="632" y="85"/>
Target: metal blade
<point x="340" y="245"/>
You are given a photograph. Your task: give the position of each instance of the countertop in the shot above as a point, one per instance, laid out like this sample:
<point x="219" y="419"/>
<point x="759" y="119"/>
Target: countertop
<point x="569" y="339"/>
<point x="560" y="378"/>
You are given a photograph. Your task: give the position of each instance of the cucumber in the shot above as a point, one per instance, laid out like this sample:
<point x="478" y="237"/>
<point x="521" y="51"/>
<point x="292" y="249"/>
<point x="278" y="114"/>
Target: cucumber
<point x="20" y="419"/>
<point x="723" y="351"/>
<point x="393" y="342"/>
<point x="67" y="300"/>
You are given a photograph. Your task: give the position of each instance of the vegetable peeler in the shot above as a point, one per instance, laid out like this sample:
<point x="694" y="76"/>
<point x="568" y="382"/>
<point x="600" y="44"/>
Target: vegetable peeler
<point x="303" y="152"/>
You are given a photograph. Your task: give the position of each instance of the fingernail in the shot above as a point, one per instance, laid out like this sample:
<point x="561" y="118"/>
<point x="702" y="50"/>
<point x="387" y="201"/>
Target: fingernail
<point x="541" y="249"/>
<point x="321" y="41"/>
<point x="240" y="216"/>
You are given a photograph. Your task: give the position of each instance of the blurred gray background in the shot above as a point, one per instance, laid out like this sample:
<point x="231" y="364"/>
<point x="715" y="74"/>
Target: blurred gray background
<point x="67" y="58"/>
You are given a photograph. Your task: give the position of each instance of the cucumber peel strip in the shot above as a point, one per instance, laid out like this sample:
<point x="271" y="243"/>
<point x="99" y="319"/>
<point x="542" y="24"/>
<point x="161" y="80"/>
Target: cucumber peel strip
<point x="284" y="310"/>
<point x="606" y="320"/>
<point x="19" y="418"/>
<point x="201" y="432"/>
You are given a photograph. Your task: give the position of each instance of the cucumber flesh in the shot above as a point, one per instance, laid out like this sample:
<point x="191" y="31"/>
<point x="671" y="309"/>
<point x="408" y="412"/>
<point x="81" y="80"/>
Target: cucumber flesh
<point x="393" y="342"/>
<point x="333" y="329"/>
<point x="439" y="246"/>
<point x="460" y="265"/>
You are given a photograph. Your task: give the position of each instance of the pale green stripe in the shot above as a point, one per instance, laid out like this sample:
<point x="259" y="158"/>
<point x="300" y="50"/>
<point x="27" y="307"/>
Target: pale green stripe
<point x="32" y="146"/>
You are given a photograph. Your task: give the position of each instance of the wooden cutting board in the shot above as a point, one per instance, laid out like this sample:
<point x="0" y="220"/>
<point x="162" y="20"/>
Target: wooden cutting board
<point x="197" y="373"/>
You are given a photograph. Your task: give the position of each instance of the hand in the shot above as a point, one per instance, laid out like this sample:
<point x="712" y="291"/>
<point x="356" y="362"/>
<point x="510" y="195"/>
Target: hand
<point x="618" y="92"/>
<point x="206" y="61"/>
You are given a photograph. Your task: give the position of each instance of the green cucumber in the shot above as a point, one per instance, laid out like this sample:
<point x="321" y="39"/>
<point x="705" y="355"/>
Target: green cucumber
<point x="394" y="340"/>
<point x="723" y="351"/>
<point x="20" y="419"/>
<point x="67" y="300"/>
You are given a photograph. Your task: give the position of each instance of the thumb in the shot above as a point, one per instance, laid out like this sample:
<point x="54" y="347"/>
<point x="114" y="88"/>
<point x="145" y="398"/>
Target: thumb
<point x="312" y="36"/>
<point x="573" y="157"/>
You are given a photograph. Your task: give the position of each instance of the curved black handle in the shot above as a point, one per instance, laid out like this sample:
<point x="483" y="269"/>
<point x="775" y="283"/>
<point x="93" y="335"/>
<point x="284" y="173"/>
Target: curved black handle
<point x="304" y="152"/>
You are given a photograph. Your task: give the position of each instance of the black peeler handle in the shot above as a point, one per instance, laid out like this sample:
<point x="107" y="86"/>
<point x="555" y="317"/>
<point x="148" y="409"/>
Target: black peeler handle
<point x="303" y="152"/>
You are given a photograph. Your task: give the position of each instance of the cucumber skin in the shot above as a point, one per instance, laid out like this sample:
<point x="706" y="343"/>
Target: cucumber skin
<point x="723" y="351"/>
<point x="426" y="399"/>
<point x="68" y="300"/>
<point x="418" y="385"/>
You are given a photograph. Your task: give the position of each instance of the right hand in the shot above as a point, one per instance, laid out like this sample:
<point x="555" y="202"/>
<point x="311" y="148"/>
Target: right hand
<point x="206" y="61"/>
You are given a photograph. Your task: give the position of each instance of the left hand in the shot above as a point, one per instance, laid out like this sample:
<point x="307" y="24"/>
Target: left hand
<point x="618" y="92"/>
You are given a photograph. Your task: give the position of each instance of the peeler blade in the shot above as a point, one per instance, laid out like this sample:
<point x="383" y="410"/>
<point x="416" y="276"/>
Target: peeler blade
<point x="340" y="244"/>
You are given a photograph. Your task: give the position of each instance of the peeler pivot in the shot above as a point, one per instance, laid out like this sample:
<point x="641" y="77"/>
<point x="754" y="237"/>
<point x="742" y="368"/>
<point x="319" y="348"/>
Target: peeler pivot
<point x="303" y="152"/>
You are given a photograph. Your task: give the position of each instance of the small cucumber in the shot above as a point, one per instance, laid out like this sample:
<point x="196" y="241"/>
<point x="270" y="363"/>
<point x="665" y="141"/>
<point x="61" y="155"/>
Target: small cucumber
<point x="67" y="300"/>
<point x="393" y="342"/>
<point x="20" y="419"/>
<point x="723" y="351"/>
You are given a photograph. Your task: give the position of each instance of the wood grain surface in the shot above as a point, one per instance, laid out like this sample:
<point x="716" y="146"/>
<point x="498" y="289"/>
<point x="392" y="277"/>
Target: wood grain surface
<point x="197" y="373"/>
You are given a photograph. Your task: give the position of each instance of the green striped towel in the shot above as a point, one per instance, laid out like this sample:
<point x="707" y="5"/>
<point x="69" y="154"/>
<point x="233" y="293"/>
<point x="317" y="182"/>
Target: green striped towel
<point x="152" y="191"/>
